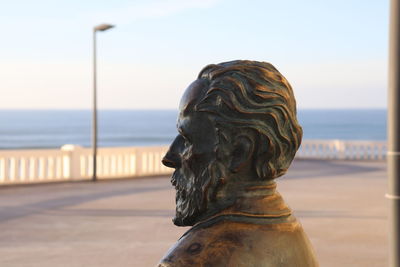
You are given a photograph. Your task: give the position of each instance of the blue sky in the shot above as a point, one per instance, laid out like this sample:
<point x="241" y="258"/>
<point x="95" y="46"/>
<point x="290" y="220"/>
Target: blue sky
<point x="334" y="53"/>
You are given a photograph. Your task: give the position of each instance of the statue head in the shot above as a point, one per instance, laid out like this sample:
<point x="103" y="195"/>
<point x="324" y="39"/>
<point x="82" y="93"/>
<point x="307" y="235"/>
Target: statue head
<point x="237" y="123"/>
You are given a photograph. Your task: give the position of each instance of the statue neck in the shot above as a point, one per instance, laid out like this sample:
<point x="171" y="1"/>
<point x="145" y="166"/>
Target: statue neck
<point x="248" y="199"/>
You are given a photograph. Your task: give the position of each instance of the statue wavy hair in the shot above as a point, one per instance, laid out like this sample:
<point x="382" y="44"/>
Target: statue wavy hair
<point x="250" y="98"/>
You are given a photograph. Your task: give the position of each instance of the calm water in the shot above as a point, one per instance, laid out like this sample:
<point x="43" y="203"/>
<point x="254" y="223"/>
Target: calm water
<point x="50" y="128"/>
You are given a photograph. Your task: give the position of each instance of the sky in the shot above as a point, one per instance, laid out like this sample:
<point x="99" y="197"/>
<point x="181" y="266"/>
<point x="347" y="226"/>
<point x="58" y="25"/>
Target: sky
<point x="334" y="53"/>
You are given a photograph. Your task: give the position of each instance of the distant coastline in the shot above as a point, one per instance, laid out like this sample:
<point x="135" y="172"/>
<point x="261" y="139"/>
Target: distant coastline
<point x="25" y="129"/>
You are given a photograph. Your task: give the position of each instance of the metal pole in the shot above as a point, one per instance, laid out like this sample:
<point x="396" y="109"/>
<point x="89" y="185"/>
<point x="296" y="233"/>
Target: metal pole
<point x="94" y="119"/>
<point x="393" y="155"/>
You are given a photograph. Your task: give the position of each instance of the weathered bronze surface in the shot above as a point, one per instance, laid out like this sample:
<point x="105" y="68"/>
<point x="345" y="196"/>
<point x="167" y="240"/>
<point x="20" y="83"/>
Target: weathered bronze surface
<point x="237" y="132"/>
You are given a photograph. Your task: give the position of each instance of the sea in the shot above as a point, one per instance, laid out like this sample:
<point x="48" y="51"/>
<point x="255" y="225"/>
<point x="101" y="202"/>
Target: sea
<point x="31" y="129"/>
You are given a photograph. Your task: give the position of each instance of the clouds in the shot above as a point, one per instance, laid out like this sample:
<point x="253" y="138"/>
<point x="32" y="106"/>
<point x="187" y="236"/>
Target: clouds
<point x="159" y="46"/>
<point x="341" y="84"/>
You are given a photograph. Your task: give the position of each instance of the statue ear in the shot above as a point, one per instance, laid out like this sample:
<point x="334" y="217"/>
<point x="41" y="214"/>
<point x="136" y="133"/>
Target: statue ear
<point x="242" y="151"/>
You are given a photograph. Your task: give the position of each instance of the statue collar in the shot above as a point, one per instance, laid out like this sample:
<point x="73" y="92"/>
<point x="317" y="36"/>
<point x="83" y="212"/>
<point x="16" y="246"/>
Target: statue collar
<point x="251" y="200"/>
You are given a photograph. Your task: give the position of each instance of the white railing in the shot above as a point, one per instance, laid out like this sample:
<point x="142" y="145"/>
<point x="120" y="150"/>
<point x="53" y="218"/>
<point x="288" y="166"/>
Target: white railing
<point x="73" y="162"/>
<point x="346" y="150"/>
<point x="27" y="166"/>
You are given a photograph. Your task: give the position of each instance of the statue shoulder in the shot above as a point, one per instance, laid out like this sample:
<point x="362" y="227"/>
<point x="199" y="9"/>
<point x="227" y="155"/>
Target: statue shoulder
<point x="242" y="244"/>
<point x="213" y="245"/>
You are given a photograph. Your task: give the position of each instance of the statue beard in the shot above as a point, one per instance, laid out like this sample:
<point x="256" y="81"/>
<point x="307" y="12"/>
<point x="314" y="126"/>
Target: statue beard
<point x="193" y="191"/>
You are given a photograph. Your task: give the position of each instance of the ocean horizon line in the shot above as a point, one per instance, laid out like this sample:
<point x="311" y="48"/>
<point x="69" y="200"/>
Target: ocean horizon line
<point x="121" y="128"/>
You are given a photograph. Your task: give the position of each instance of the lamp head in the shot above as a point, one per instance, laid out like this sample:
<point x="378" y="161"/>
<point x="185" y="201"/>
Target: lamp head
<point x="103" y="27"/>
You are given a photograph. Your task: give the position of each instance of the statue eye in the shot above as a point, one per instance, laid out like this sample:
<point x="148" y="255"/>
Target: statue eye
<point x="186" y="140"/>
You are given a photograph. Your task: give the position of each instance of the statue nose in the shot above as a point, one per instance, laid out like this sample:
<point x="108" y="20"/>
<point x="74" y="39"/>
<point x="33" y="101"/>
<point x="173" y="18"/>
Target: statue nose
<point x="171" y="160"/>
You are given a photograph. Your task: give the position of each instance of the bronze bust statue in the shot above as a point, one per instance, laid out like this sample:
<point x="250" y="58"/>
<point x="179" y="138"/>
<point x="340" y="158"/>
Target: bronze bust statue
<point x="238" y="131"/>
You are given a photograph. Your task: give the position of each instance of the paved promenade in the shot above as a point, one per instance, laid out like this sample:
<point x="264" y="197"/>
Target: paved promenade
<point x="341" y="205"/>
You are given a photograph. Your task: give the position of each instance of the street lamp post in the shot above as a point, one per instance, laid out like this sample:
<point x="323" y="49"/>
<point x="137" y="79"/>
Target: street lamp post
<point x="394" y="135"/>
<point x="101" y="27"/>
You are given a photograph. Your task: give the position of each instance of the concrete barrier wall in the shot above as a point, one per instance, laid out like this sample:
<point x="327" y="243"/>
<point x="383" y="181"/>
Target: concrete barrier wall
<point x="73" y="162"/>
<point x="344" y="150"/>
